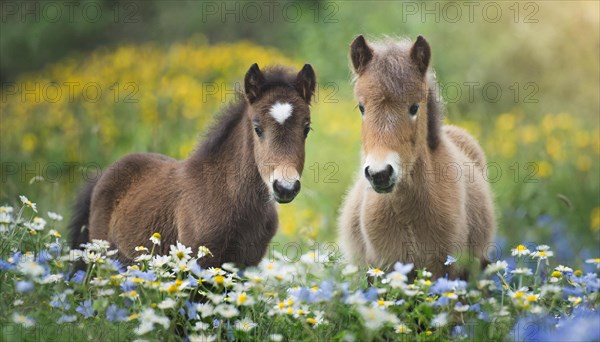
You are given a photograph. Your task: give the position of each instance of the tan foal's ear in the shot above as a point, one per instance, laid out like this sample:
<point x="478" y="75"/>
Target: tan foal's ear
<point x="420" y="53"/>
<point x="253" y="81"/>
<point x="360" y="53"/>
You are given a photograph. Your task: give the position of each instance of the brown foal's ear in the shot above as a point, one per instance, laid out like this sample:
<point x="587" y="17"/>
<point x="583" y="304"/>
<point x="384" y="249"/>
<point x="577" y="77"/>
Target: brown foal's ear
<point x="306" y="82"/>
<point x="421" y="54"/>
<point x="253" y="82"/>
<point x="360" y="53"/>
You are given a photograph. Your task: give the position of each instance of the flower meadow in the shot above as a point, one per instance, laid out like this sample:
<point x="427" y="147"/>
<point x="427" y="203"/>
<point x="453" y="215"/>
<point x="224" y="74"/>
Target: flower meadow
<point x="315" y="296"/>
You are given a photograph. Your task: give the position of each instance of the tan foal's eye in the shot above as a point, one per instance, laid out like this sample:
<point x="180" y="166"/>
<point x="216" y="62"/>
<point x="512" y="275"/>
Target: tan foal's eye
<point x="413" y="109"/>
<point x="361" y="108"/>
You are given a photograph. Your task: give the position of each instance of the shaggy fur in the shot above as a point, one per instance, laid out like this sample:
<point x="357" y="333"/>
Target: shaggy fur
<point x="221" y="196"/>
<point x="440" y="204"/>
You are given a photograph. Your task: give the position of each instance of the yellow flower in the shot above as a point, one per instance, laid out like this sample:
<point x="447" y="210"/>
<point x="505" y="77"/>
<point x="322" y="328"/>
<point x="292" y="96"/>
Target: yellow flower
<point x="554" y="148"/>
<point x="219" y="279"/>
<point x="583" y="163"/>
<point x="582" y="139"/>
<point x="311" y="320"/>
<point x="173" y="288"/>
<point x="529" y="134"/>
<point x="28" y="142"/>
<point x="548" y="124"/>
<point x="532" y="297"/>
<point x="518" y="294"/>
<point x="578" y="273"/>
<point x="506" y="122"/>
<point x="595" y="219"/>
<point x="242" y="298"/>
<point x="556" y="274"/>
<point x="544" y="169"/>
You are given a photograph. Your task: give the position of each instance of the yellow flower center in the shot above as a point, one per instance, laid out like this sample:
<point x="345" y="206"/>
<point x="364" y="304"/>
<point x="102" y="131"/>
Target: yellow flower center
<point x="219" y="279"/>
<point x="519" y="294"/>
<point x="156" y="236"/>
<point x="521" y="248"/>
<point x="578" y="273"/>
<point x="311" y="320"/>
<point x="173" y="289"/>
<point x="242" y="298"/>
<point x="381" y="302"/>
<point x="556" y="274"/>
<point x="179" y="255"/>
<point x="531" y="298"/>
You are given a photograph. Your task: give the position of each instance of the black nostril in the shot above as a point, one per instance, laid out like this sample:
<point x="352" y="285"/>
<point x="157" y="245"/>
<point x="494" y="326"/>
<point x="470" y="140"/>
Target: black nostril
<point x="276" y="186"/>
<point x="367" y="174"/>
<point x="389" y="170"/>
<point x="285" y="192"/>
<point x="296" y="187"/>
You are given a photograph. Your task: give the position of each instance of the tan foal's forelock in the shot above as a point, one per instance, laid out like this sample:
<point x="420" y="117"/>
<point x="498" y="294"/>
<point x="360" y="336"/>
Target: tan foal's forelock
<point x="387" y="127"/>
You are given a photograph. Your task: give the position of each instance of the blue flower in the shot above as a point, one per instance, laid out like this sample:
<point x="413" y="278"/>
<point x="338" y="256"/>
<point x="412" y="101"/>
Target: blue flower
<point x="116" y="265"/>
<point x="67" y="319"/>
<point x="114" y="314"/>
<point x="85" y="308"/>
<point x="55" y="249"/>
<point x="127" y="286"/>
<point x="6" y="266"/>
<point x="532" y="328"/>
<point x="191" y="309"/>
<point x="196" y="269"/>
<point x="59" y="300"/>
<point x="442" y="301"/>
<point x="402" y="268"/>
<point x="78" y="277"/>
<point x="216" y="323"/>
<point x="581" y="325"/>
<point x="24" y="286"/>
<point x="149" y="276"/>
<point x="443" y="285"/>
<point x="459" y="331"/>
<point x="371" y="294"/>
<point x="302" y="293"/>
<point x="44" y="256"/>
<point x="449" y="260"/>
<point x="192" y="280"/>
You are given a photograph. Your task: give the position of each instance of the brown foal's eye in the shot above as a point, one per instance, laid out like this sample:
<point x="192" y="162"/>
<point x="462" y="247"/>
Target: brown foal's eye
<point x="307" y="130"/>
<point x="414" y="109"/>
<point x="258" y="130"/>
<point x="361" y="108"/>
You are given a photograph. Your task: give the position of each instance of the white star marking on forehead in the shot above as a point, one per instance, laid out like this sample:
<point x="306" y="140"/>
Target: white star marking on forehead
<point x="281" y="111"/>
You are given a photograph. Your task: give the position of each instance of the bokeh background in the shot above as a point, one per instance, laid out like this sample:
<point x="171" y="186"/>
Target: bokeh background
<point x="86" y="82"/>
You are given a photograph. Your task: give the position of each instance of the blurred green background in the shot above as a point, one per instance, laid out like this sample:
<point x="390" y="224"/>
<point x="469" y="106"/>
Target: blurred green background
<point x="86" y="82"/>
